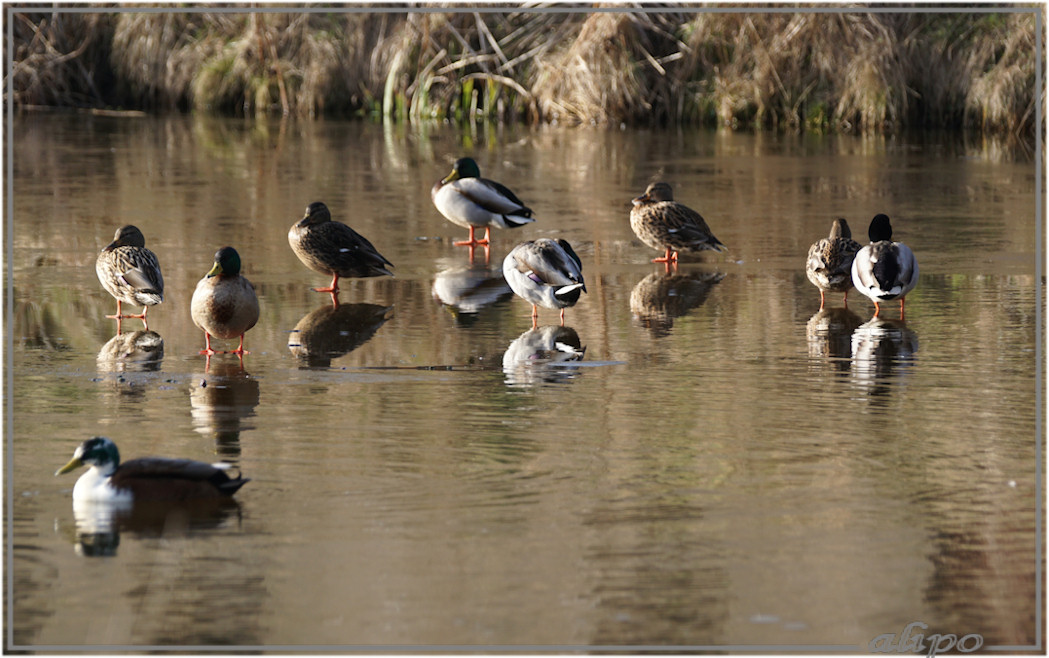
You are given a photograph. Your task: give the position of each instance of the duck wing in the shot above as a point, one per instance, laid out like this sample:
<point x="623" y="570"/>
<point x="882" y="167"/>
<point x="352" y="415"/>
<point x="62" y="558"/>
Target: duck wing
<point x="156" y="477"/>
<point x="349" y="250"/>
<point x="908" y="266"/>
<point x="684" y="227"/>
<point x="492" y="196"/>
<point x="832" y="255"/>
<point x="547" y="262"/>
<point x="139" y="270"/>
<point x="691" y="228"/>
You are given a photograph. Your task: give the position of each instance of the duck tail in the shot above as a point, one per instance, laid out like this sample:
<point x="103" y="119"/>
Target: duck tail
<point x="231" y="486"/>
<point x="223" y="482"/>
<point x="570" y="293"/>
<point x="149" y="297"/>
<point x="515" y="221"/>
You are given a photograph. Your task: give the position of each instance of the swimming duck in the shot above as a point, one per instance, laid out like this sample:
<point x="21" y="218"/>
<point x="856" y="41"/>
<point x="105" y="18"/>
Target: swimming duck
<point x="884" y="270"/>
<point x="130" y="272"/>
<point x="829" y="265"/>
<point x="333" y="248"/>
<point x="150" y="478"/>
<point x="546" y="273"/>
<point x="663" y="223"/>
<point x="468" y="200"/>
<point x="224" y="304"/>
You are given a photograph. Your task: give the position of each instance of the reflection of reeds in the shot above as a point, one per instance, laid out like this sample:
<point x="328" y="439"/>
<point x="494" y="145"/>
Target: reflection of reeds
<point x="835" y="70"/>
<point x="37" y="327"/>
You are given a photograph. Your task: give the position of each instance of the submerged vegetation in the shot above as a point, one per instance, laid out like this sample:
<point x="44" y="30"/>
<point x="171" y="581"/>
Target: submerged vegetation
<point x="840" y="70"/>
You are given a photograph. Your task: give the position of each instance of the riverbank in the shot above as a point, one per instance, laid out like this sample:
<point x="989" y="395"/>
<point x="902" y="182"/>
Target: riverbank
<point x="835" y="71"/>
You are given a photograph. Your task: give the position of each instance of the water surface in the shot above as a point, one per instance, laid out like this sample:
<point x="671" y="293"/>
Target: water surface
<point x="712" y="462"/>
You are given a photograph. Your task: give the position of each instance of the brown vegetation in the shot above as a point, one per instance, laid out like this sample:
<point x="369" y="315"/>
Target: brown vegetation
<point x="820" y="71"/>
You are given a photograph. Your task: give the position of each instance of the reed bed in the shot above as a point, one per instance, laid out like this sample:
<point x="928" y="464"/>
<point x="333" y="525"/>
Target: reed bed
<point x="846" y="71"/>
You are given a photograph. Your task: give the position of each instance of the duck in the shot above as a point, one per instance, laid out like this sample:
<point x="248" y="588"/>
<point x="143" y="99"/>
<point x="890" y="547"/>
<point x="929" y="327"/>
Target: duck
<point x="130" y="272"/>
<point x="335" y="249"/>
<point x="884" y="270"/>
<point x="664" y="224"/>
<point x="829" y="264"/>
<point x="545" y="272"/>
<point x="468" y="200"/>
<point x="224" y="304"/>
<point x="149" y="478"/>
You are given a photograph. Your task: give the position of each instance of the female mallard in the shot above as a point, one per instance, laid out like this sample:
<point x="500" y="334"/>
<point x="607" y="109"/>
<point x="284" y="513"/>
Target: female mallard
<point x="224" y="305"/>
<point x="150" y="478"/>
<point x="130" y="272"/>
<point x="468" y="200"/>
<point x="884" y="270"/>
<point x="663" y="223"/>
<point x="829" y="266"/>
<point x="546" y="273"/>
<point x="333" y="248"/>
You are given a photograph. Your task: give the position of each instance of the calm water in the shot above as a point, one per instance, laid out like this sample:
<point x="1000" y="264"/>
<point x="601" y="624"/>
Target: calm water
<point x="724" y="466"/>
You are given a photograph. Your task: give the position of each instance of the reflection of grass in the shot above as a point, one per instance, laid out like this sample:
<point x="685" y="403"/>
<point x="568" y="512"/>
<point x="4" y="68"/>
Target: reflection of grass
<point x="36" y="326"/>
<point x="834" y="71"/>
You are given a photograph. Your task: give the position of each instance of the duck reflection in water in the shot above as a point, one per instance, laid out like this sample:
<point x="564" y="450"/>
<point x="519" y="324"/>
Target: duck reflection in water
<point x="333" y="331"/>
<point x="829" y="333"/>
<point x="662" y="296"/>
<point x="129" y="361"/>
<point x="100" y="524"/>
<point x="132" y="351"/>
<point x="882" y="351"/>
<point x="543" y="354"/>
<point x="465" y="290"/>
<point x="221" y="399"/>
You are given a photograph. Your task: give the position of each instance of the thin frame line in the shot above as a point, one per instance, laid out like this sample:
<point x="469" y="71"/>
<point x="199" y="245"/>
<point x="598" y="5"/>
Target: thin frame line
<point x="11" y="10"/>
<point x="930" y="9"/>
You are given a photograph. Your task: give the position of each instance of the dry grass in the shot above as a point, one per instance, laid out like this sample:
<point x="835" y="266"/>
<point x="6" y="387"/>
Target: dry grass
<point x="835" y="71"/>
<point x="1000" y="98"/>
<point x="53" y="56"/>
<point x="597" y="77"/>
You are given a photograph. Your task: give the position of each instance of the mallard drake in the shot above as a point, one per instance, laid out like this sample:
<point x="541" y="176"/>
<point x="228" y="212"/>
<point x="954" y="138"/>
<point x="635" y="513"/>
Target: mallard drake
<point x="663" y="223"/>
<point x="224" y="304"/>
<point x="150" y="478"/>
<point x="333" y="248"/>
<point x="829" y="265"/>
<point x="468" y="200"/>
<point x="546" y="273"/>
<point x="130" y="272"/>
<point x="884" y="270"/>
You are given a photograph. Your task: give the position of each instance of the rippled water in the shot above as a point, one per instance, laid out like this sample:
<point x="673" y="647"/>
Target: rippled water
<point x="698" y="458"/>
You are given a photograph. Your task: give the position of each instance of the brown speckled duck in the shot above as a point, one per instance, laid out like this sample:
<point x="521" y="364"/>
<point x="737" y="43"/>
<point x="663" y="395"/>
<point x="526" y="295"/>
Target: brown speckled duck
<point x="333" y="248"/>
<point x="829" y="265"/>
<point x="130" y="272"/>
<point x="669" y="226"/>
